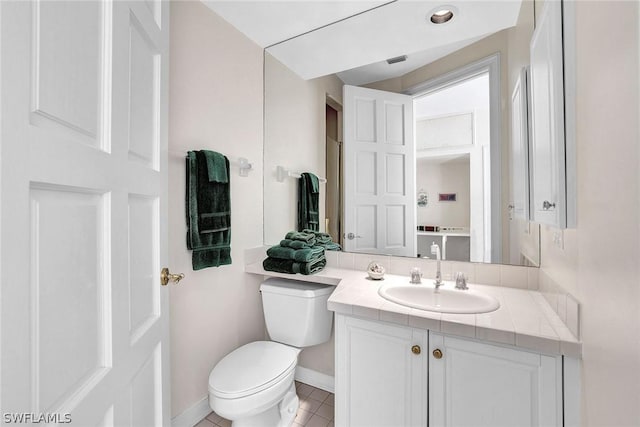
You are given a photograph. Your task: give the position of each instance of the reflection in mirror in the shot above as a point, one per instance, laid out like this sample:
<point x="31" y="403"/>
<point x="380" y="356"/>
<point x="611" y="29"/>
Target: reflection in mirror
<point x="470" y="167"/>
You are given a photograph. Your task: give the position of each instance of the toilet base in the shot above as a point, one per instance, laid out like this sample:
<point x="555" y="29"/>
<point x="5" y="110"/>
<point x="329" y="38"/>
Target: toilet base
<point x="280" y="415"/>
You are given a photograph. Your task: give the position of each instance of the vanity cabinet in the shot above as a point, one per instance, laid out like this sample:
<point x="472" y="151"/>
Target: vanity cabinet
<point x="390" y="375"/>
<point x="381" y="374"/>
<point x="477" y="384"/>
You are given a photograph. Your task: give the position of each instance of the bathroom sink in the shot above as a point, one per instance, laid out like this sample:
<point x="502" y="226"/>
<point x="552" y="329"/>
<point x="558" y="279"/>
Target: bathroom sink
<point x="443" y="300"/>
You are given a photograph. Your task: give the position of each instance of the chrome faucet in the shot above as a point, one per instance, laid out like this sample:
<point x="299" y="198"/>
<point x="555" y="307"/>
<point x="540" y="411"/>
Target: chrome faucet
<point x="435" y="250"/>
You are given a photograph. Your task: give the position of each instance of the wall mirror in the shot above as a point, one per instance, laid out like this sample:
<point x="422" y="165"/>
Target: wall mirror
<point x="458" y="102"/>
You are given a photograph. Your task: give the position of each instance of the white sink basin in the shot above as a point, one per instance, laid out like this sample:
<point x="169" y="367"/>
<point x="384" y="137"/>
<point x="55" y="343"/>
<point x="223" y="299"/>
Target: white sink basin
<point x="443" y="300"/>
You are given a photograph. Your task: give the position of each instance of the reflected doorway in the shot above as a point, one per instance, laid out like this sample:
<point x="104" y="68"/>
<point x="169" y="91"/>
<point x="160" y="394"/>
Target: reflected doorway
<point x="453" y="158"/>
<point x="333" y="204"/>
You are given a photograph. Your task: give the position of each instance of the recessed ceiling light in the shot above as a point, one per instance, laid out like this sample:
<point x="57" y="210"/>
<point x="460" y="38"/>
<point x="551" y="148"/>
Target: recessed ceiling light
<point x="442" y="14"/>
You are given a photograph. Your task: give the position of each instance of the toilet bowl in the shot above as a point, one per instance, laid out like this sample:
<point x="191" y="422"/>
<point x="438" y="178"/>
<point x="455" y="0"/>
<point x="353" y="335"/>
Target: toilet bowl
<point x="254" y="384"/>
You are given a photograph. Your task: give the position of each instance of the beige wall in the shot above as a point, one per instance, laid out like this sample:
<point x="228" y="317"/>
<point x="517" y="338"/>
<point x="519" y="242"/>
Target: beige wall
<point x="600" y="261"/>
<point x="215" y="103"/>
<point x="447" y="177"/>
<point x="294" y="137"/>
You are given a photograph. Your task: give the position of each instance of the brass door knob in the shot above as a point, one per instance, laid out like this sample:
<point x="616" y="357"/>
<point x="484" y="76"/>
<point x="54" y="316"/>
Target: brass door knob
<point x="437" y="353"/>
<point x="416" y="349"/>
<point x="166" y="277"/>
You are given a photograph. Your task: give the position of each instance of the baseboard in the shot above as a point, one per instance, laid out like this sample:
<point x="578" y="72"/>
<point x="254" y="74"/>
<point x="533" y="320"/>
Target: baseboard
<point x="315" y="379"/>
<point x="193" y="415"/>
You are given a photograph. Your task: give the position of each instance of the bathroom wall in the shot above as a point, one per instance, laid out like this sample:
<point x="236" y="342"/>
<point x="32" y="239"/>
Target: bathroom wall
<point x="294" y="132"/>
<point x="599" y="263"/>
<point x="216" y="94"/>
<point x="449" y="177"/>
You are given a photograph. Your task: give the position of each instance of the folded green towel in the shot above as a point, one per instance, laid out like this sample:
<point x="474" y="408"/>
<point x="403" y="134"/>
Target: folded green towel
<point x="329" y="246"/>
<point x="295" y="244"/>
<point x="320" y="237"/>
<point x="217" y="167"/>
<point x="308" y="202"/>
<point x="291" y="267"/>
<point x="208" y="214"/>
<point x="308" y="238"/>
<point x="299" y="255"/>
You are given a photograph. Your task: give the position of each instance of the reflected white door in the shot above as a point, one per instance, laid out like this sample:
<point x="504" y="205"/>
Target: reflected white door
<point x="379" y="172"/>
<point x="83" y="211"/>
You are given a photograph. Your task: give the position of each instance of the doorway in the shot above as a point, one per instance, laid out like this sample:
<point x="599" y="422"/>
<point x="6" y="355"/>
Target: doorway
<point x="333" y="204"/>
<point x="453" y="153"/>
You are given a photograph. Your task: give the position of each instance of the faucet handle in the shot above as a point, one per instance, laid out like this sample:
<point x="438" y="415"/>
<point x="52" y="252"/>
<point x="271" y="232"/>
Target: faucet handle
<point x="461" y="281"/>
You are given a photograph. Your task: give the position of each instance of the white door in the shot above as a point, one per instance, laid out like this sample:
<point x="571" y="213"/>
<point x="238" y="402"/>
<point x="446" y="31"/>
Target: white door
<point x="83" y="212"/>
<point x="476" y="384"/>
<point x="379" y="172"/>
<point x="547" y="119"/>
<point x="519" y="168"/>
<point x="381" y="374"/>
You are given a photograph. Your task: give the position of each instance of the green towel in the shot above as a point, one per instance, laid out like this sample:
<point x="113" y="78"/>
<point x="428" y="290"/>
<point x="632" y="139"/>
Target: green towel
<point x="300" y="255"/>
<point x="320" y="237"/>
<point x="329" y="246"/>
<point x="308" y="238"/>
<point x="291" y="267"/>
<point x="295" y="244"/>
<point x="208" y="206"/>
<point x="308" y="202"/>
<point x="217" y="167"/>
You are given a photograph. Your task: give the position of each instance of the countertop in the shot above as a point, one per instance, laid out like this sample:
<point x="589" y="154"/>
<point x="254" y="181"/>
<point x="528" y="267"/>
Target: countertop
<point x="524" y="318"/>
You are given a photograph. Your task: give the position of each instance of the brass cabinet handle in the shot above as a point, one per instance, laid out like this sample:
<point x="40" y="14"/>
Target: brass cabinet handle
<point x="437" y="353"/>
<point x="416" y="349"/>
<point x="166" y="277"/>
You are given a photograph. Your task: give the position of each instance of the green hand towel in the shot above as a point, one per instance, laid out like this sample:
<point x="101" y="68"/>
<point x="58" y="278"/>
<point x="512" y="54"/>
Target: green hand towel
<point x="320" y="237"/>
<point x="299" y="255"/>
<point x="208" y="214"/>
<point x="217" y="167"/>
<point x="291" y="267"/>
<point x="329" y="246"/>
<point x="304" y="237"/>
<point x="308" y="202"/>
<point x="295" y="244"/>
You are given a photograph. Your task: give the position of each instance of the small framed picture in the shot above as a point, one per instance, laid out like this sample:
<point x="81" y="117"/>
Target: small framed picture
<point x="446" y="197"/>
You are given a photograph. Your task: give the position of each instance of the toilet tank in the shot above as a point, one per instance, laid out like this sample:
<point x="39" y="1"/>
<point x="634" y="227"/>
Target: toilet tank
<point x="296" y="312"/>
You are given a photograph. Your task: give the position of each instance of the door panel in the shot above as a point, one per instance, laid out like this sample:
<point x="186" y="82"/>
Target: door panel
<point x="379" y="172"/>
<point x="82" y="191"/>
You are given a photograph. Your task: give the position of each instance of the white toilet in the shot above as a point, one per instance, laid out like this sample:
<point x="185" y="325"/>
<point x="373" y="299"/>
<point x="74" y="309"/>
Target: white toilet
<point x="253" y="385"/>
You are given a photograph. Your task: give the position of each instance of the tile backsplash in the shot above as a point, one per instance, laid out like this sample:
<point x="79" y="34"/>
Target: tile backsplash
<point x="485" y="274"/>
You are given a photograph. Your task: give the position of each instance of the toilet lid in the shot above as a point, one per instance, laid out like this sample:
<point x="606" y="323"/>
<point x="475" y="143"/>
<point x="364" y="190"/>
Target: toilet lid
<point x="252" y="368"/>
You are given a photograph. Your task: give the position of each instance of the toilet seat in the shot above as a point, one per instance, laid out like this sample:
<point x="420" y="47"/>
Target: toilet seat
<point x="251" y="369"/>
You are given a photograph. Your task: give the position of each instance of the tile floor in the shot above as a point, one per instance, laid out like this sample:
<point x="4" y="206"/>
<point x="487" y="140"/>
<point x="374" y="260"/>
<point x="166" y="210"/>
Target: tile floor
<point x="316" y="409"/>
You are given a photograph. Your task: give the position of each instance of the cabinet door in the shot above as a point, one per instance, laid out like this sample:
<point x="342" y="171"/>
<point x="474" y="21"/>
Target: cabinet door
<point x="548" y="169"/>
<point x="476" y="384"/>
<point x="379" y="380"/>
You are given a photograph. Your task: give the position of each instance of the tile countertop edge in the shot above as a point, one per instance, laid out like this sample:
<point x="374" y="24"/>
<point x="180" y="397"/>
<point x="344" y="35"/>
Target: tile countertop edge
<point x="345" y="302"/>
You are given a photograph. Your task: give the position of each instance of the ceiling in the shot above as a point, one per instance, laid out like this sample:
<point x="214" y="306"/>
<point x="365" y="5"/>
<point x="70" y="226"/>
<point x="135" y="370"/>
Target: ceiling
<point x="354" y="38"/>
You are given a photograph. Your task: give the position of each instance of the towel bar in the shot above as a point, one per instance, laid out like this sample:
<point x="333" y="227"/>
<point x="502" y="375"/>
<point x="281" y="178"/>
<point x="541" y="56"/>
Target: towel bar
<point x="282" y="173"/>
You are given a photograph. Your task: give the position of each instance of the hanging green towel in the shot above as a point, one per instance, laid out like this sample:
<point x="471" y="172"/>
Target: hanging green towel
<point x="208" y="206"/>
<point x="308" y="202"/>
<point x="291" y="267"/>
<point x="300" y="255"/>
